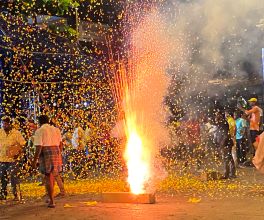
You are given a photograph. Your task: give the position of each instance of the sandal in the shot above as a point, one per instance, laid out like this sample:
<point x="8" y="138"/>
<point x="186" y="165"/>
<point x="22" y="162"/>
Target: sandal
<point x="16" y="199"/>
<point x="51" y="205"/>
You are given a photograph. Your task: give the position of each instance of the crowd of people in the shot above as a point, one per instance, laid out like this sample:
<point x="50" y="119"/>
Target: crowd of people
<point x="233" y="137"/>
<point x="226" y="139"/>
<point x="53" y="150"/>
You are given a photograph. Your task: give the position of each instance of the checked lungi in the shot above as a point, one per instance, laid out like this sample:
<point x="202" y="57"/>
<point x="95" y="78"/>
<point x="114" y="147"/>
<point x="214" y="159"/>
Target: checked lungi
<point x="50" y="160"/>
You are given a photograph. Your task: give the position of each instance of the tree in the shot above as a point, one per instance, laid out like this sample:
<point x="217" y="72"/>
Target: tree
<point x="50" y="7"/>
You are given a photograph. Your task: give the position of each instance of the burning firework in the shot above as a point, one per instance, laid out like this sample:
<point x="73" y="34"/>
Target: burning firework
<point x="139" y="88"/>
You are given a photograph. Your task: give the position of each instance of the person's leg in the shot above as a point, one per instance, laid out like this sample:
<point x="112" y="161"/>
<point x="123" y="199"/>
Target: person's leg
<point x="13" y="169"/>
<point x="76" y="163"/>
<point x="234" y="151"/>
<point x="82" y="163"/>
<point x="232" y="166"/>
<point x="50" y="188"/>
<point x="226" y="163"/>
<point x="4" y="180"/>
<point x="59" y="181"/>
<point x="229" y="163"/>
<point x="253" y="136"/>
<point x="243" y="150"/>
<point x="239" y="153"/>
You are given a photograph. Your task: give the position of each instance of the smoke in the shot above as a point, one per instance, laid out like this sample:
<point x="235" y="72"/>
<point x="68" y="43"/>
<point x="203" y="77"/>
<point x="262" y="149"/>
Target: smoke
<point x="222" y="34"/>
<point x="222" y="42"/>
<point x="194" y="42"/>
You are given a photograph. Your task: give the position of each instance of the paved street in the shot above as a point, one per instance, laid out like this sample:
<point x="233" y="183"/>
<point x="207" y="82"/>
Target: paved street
<point x="176" y="207"/>
<point x="230" y="204"/>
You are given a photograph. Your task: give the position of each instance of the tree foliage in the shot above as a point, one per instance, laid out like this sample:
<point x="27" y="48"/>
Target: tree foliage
<point x="52" y="7"/>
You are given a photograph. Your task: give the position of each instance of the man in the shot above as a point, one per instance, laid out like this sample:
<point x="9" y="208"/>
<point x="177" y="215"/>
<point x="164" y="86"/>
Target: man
<point x="254" y="114"/>
<point x="261" y="120"/>
<point x="78" y="137"/>
<point x="47" y="141"/>
<point x="232" y="130"/>
<point x="241" y="126"/>
<point x="254" y="121"/>
<point x="78" y="152"/>
<point x="224" y="140"/>
<point x="11" y="144"/>
<point x="192" y="141"/>
<point x="58" y="178"/>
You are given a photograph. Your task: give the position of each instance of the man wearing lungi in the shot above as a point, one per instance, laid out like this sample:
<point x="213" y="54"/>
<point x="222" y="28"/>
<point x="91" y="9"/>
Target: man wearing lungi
<point x="47" y="141"/>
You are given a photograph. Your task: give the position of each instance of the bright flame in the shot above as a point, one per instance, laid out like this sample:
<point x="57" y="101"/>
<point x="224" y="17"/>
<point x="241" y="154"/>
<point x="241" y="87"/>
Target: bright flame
<point x="138" y="86"/>
<point x="136" y="156"/>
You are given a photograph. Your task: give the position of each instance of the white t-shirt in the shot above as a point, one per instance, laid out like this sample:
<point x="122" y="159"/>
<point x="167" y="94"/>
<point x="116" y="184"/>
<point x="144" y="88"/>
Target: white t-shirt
<point x="14" y="138"/>
<point x="58" y="135"/>
<point x="78" y="139"/>
<point x="47" y="135"/>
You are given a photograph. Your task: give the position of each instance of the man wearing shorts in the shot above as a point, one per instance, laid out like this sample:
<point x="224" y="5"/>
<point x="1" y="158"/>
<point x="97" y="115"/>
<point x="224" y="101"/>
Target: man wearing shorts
<point x="254" y="114"/>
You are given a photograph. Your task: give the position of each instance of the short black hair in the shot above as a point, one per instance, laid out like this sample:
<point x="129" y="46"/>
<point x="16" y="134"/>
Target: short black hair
<point x="6" y="119"/>
<point x="239" y="114"/>
<point x="230" y="112"/>
<point x="30" y="120"/>
<point x="43" y="119"/>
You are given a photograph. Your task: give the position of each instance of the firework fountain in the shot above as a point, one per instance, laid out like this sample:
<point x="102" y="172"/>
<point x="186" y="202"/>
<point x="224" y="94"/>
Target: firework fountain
<point x="139" y="86"/>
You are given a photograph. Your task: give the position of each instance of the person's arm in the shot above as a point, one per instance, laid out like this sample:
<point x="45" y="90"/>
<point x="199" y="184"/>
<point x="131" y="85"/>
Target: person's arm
<point x="36" y="156"/>
<point x="38" y="142"/>
<point x="15" y="150"/>
<point x="21" y="141"/>
<point x="253" y="110"/>
<point x="61" y="146"/>
<point x="241" y="108"/>
<point x="260" y="121"/>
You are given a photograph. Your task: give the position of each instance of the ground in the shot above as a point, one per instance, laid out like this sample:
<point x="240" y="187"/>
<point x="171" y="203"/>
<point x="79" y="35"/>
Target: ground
<point x="242" y="198"/>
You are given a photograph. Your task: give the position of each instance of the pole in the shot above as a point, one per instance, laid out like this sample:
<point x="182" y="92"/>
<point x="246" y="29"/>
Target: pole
<point x="1" y="95"/>
<point x="262" y="86"/>
<point x="77" y="22"/>
<point x="34" y="106"/>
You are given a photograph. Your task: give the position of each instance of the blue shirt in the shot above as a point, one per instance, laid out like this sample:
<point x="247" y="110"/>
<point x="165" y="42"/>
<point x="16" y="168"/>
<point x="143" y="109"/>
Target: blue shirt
<point x="241" y="125"/>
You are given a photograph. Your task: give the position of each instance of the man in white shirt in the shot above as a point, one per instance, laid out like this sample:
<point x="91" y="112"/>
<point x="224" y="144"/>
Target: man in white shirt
<point x="78" y="138"/>
<point x="11" y="144"/>
<point x="48" y="141"/>
<point x="78" y="144"/>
